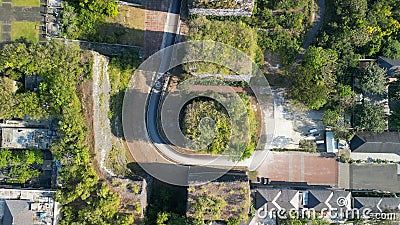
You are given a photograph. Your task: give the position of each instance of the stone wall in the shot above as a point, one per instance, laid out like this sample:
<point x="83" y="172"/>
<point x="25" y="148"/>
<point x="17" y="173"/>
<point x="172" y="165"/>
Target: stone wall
<point x="245" y="8"/>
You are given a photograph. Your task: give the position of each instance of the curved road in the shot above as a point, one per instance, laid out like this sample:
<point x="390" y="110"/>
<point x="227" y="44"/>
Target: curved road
<point x="153" y="105"/>
<point x="142" y="135"/>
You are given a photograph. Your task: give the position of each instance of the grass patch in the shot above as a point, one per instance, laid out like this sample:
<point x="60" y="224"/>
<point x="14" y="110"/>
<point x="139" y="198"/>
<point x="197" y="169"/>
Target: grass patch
<point x="33" y="3"/>
<point x="1" y="28"/>
<point x="125" y="28"/>
<point x="26" y="30"/>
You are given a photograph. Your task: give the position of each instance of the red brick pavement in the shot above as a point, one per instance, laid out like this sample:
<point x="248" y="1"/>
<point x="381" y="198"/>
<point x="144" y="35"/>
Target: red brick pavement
<point x="156" y="16"/>
<point x="300" y="167"/>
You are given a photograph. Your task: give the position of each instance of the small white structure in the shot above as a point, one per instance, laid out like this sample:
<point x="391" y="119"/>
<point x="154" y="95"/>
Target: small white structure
<point x="331" y="143"/>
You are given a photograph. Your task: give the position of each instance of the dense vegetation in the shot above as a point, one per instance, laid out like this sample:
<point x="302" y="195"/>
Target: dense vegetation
<point x="352" y="30"/>
<point x="167" y="206"/>
<point x="19" y="166"/>
<point x="219" y="137"/>
<point x="236" y="34"/>
<point x="293" y="220"/>
<point x="121" y="68"/>
<point x="85" y="198"/>
<point x="224" y="4"/>
<point x="315" y="79"/>
<point x="373" y="79"/>
<point x="82" y="19"/>
<point x="17" y="104"/>
<point x="370" y="117"/>
<point x="280" y="25"/>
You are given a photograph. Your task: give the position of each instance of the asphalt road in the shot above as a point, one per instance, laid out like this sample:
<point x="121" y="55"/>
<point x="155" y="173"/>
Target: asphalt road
<point x="154" y="100"/>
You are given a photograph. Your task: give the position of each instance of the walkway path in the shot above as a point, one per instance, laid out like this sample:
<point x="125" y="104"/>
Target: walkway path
<point x="312" y="34"/>
<point x="156" y="16"/>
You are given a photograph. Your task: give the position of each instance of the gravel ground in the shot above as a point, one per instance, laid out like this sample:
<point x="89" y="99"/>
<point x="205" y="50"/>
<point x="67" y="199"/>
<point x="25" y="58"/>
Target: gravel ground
<point x="291" y="125"/>
<point x="101" y="107"/>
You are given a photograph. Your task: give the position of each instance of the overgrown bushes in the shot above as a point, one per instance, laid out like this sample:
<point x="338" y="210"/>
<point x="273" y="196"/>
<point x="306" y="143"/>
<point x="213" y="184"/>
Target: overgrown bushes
<point x="85" y="199"/>
<point x="82" y="19"/>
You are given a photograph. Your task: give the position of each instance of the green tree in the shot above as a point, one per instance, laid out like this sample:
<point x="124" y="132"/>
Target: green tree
<point x="345" y="96"/>
<point x="369" y="117"/>
<point x="323" y="62"/>
<point x="392" y="49"/>
<point x="373" y="79"/>
<point x="308" y="88"/>
<point x="7" y="100"/>
<point x="162" y="218"/>
<point x="331" y="117"/>
<point x="309" y="146"/>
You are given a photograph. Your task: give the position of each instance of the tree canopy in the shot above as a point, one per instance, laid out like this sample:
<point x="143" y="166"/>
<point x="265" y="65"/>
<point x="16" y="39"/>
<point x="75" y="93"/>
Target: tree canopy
<point x="373" y="79"/>
<point x="370" y="117"/>
<point x="85" y="199"/>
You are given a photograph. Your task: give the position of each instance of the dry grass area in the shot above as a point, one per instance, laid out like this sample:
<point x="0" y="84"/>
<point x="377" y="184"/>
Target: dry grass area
<point x="127" y="27"/>
<point x="234" y="198"/>
<point x="85" y="94"/>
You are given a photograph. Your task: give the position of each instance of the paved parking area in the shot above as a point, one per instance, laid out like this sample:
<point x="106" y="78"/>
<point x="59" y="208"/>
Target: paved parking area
<point x="291" y="124"/>
<point x="300" y="167"/>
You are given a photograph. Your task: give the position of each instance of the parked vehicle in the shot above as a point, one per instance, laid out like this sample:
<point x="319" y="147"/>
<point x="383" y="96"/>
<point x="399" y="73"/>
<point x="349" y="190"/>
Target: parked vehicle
<point x="312" y="131"/>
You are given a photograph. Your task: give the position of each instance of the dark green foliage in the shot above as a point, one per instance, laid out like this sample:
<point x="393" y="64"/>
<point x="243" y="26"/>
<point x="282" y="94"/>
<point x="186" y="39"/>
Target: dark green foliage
<point x="217" y="140"/>
<point x="82" y="19"/>
<point x="315" y="79"/>
<point x="331" y="117"/>
<point x="369" y="117"/>
<point x="224" y="4"/>
<point x="373" y="79"/>
<point x="394" y="104"/>
<point x="85" y="201"/>
<point x="391" y="49"/>
<point x="167" y="205"/>
<point x="280" y="32"/>
<point x="7" y="99"/>
<point x="308" y="146"/>
<point x="235" y="34"/>
<point x="293" y="220"/>
<point x="19" y="166"/>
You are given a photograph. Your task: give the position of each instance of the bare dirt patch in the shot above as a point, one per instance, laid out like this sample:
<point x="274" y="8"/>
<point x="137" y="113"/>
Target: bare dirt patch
<point x="127" y="27"/>
<point x="85" y="93"/>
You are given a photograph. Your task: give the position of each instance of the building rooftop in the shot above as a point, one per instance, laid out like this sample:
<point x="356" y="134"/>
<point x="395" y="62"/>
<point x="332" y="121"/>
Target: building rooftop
<point x="26" y="138"/>
<point x="277" y="199"/>
<point x="376" y="204"/>
<point x="28" y="207"/>
<point x="367" y="142"/>
<point x="331" y="143"/>
<point x="391" y="65"/>
<point x="232" y="190"/>
<point x="17" y="212"/>
<point x="367" y="176"/>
